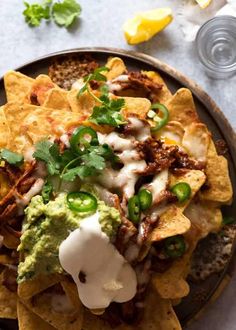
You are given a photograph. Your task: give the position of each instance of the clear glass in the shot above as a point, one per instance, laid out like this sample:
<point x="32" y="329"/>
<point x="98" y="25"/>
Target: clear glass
<point x="216" y="46"/>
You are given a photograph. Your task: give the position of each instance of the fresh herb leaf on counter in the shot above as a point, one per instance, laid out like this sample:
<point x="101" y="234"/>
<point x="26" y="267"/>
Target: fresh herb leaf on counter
<point x="12" y="158"/>
<point x="35" y="13"/>
<point x="64" y="13"/>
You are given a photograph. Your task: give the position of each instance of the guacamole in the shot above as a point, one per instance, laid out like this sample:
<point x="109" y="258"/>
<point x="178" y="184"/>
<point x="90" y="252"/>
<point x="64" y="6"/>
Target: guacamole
<point x="47" y="225"/>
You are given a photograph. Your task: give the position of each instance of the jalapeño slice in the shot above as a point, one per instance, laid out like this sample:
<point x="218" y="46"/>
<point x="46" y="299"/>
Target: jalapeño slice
<point x="82" y="138"/>
<point x="182" y="191"/>
<point x="145" y="199"/>
<point x="161" y="120"/>
<point x="134" y="209"/>
<point x="174" y="246"/>
<point x="82" y="201"/>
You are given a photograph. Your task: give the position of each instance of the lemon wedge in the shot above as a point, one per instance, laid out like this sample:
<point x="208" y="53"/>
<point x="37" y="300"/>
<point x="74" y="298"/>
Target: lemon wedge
<point x="145" y="25"/>
<point x="203" y="3"/>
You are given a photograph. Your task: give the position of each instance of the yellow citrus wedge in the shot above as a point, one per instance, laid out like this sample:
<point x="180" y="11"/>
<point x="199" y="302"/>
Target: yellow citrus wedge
<point x="145" y="25"/>
<point x="203" y="3"/>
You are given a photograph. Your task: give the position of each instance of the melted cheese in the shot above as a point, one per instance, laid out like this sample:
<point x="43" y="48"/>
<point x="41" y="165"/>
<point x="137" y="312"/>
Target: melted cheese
<point x="127" y="177"/>
<point x="158" y="185"/>
<point x="107" y="275"/>
<point x="142" y="130"/>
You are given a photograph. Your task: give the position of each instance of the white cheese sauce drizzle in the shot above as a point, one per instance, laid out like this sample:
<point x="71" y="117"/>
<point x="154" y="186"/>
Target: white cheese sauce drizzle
<point x="126" y="177"/>
<point x="101" y="273"/>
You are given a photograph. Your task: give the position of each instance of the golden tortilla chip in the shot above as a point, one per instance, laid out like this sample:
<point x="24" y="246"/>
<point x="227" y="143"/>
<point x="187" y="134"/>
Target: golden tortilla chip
<point x="172" y="133"/>
<point x="172" y="284"/>
<point x="194" y="178"/>
<point x="117" y="67"/>
<point x="205" y="216"/>
<point x="30" y="288"/>
<point x="181" y="107"/>
<point x="17" y="86"/>
<point x="83" y="105"/>
<point x="4" y="130"/>
<point x="8" y="300"/>
<point x="158" y="315"/>
<point x="9" y="240"/>
<point x="171" y="223"/>
<point x="39" y="89"/>
<point x="57" y="99"/>
<point x="138" y="106"/>
<point x="164" y="94"/>
<point x="196" y="141"/>
<point x="220" y="187"/>
<point x="57" y="309"/>
<point x="30" y="321"/>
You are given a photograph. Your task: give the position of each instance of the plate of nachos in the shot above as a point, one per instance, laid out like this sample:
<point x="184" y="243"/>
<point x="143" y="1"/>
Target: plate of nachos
<point x="116" y="196"/>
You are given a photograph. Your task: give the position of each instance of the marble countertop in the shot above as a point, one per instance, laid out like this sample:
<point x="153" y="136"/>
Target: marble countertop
<point x="100" y="25"/>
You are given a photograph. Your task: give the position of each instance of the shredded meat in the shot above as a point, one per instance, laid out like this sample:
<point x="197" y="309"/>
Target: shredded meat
<point x="221" y="147"/>
<point x="65" y="70"/>
<point x="140" y="84"/>
<point x="160" y="157"/>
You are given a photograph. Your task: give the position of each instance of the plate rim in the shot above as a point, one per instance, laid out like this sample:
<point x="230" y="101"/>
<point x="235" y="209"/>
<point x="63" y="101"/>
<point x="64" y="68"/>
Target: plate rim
<point x="212" y="108"/>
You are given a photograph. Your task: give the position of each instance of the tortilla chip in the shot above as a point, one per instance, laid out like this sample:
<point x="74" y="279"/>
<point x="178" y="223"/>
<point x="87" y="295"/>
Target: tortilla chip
<point x="206" y="217"/>
<point x="19" y="140"/>
<point x="8" y="300"/>
<point x="42" y="305"/>
<point x="164" y="94"/>
<point x="117" y="67"/>
<point x="138" y="106"/>
<point x="6" y="260"/>
<point x="30" y="321"/>
<point x="9" y="240"/>
<point x="83" y="105"/>
<point x="158" y="314"/>
<point x="57" y="99"/>
<point x="194" y="178"/>
<point x="4" y="130"/>
<point x="17" y="86"/>
<point x="28" y="289"/>
<point x="220" y="187"/>
<point x="172" y="284"/>
<point x="181" y="107"/>
<point x="196" y="141"/>
<point x="172" y="133"/>
<point x="39" y="89"/>
<point x="171" y="223"/>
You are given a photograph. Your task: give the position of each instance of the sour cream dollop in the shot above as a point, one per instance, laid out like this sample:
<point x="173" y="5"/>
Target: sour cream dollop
<point x="101" y="273"/>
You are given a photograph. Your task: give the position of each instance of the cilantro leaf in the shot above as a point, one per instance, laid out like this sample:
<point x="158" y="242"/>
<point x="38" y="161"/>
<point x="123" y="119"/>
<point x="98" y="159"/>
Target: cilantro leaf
<point x="49" y="153"/>
<point x="34" y="13"/>
<point x="12" y="158"/>
<point x="93" y="160"/>
<point x="47" y="191"/>
<point x="109" y="112"/>
<point x="96" y="75"/>
<point x="64" y="13"/>
<point x="81" y="171"/>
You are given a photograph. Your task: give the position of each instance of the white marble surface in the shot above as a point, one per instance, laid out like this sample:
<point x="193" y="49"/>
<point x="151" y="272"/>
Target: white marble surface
<point x="100" y="25"/>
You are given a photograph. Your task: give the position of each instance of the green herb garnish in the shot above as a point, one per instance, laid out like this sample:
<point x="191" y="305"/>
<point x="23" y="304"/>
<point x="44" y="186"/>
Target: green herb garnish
<point x="71" y="164"/>
<point x="12" y="158"/>
<point x="96" y="75"/>
<point x="63" y="13"/>
<point x="47" y="191"/>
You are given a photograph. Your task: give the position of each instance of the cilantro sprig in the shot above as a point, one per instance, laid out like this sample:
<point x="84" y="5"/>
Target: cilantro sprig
<point x="108" y="112"/>
<point x="64" y="13"/>
<point x="12" y="158"/>
<point x="69" y="165"/>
